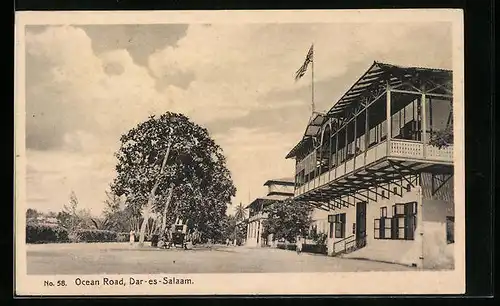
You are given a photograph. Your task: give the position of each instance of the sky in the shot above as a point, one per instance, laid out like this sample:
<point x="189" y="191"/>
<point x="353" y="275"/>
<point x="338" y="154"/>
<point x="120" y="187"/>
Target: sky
<point x="88" y="84"/>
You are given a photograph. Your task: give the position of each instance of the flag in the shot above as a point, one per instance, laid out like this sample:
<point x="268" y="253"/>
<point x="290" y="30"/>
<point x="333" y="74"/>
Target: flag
<point x="302" y="70"/>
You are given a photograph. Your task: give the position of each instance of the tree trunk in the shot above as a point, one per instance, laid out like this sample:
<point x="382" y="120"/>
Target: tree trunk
<point x="151" y="199"/>
<point x="147" y="212"/>
<point x="164" y="219"/>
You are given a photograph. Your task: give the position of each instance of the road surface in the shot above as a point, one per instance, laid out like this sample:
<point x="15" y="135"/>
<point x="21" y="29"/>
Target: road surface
<point x="122" y="258"/>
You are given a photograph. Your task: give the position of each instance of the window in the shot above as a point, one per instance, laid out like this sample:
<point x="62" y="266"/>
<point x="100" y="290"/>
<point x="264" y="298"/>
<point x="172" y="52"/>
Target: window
<point x="408" y="187"/>
<point x="402" y="224"/>
<point x="450" y="229"/>
<point x="376" y="228"/>
<point x="383" y="212"/>
<point x="383" y="130"/>
<point x="339" y="221"/>
<point x="331" y="220"/>
<point x="372" y="140"/>
<point x="404" y="221"/>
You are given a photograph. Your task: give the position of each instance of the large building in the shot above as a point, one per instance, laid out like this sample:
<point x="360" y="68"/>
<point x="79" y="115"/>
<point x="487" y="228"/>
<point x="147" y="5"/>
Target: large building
<point x="381" y="190"/>
<point x="278" y="190"/>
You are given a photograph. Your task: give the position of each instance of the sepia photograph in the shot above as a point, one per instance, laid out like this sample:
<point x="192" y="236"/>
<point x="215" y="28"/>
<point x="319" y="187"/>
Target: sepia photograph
<point x="245" y="147"/>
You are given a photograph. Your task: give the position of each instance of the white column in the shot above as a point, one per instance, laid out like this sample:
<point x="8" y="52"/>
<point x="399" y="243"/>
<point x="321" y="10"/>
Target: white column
<point x="424" y="123"/>
<point x="389" y="125"/>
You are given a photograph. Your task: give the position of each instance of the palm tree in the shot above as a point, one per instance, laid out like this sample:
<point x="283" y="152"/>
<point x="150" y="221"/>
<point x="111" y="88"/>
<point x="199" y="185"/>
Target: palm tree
<point x="240" y="212"/>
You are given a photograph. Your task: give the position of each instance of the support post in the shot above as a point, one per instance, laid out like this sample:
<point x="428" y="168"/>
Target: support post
<point x="388" y="116"/>
<point x="345" y="148"/>
<point x="423" y="103"/>
<point x="355" y="144"/>
<point x="336" y="153"/>
<point x="367" y="132"/>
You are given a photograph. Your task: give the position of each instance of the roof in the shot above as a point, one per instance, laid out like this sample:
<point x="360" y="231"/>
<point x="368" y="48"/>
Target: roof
<point x="313" y="127"/>
<point x="281" y="181"/>
<point x="372" y="79"/>
<point x="265" y="200"/>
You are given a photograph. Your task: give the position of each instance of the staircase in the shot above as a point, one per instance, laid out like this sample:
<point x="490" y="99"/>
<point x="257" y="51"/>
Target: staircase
<point x="348" y="245"/>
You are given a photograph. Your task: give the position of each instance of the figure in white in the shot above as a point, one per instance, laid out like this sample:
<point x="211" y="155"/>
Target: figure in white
<point x="132" y="237"/>
<point x="299" y="245"/>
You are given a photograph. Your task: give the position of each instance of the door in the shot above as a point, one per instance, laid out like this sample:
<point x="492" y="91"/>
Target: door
<point x="360" y="224"/>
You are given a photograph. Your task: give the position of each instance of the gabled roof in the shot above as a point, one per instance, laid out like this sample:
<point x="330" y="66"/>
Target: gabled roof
<point x="373" y="78"/>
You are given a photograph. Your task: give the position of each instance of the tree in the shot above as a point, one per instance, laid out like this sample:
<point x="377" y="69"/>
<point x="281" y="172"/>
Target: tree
<point x="240" y="212"/>
<point x="171" y="154"/>
<point x="31" y="214"/>
<point x="287" y="219"/>
<point x="68" y="217"/>
<point x="442" y="138"/>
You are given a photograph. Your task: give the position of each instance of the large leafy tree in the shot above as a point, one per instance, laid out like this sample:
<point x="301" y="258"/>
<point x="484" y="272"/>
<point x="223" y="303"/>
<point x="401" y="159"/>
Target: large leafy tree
<point x="287" y="219"/>
<point x="170" y="166"/>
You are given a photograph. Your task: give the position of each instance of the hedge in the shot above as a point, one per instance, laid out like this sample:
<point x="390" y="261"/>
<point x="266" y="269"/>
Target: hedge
<point x="40" y="233"/>
<point x="43" y="233"/>
<point x="92" y="235"/>
<point x="122" y="237"/>
<point x="307" y="248"/>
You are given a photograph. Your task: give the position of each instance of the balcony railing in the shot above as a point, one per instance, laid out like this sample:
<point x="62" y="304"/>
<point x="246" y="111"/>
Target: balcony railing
<point x="398" y="149"/>
<point x="257" y="216"/>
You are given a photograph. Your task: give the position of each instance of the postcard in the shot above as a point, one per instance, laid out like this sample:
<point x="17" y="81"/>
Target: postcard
<point x="239" y="152"/>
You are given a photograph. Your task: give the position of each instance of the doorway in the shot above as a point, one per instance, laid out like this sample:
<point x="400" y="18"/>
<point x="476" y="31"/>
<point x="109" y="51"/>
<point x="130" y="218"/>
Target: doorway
<point x="360" y="224"/>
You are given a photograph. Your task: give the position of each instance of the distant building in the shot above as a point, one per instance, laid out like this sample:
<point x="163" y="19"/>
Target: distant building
<point x="278" y="190"/>
<point x="379" y="188"/>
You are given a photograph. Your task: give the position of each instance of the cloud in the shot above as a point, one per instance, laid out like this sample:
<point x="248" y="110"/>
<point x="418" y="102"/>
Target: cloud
<point x="87" y="85"/>
<point x="254" y="157"/>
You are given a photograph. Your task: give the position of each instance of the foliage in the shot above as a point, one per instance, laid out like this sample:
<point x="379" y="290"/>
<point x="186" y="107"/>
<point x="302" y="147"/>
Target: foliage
<point x="442" y="138"/>
<point x="73" y="219"/>
<point x="307" y="248"/>
<point x="31" y="213"/>
<point x="240" y="212"/>
<point x="320" y="238"/>
<point x="93" y="235"/>
<point x="123" y="237"/>
<point x="287" y="219"/>
<point x="38" y="233"/>
<point x="195" y="166"/>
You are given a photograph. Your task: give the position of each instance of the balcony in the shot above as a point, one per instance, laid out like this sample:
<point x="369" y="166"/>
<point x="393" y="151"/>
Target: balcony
<point x="409" y="152"/>
<point x="258" y="216"/>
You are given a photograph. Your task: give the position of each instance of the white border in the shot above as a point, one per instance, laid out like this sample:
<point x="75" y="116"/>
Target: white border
<point x="418" y="282"/>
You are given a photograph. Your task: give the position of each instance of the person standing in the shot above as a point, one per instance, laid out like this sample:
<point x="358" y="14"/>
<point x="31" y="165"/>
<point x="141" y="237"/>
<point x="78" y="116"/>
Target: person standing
<point x="299" y="245"/>
<point x="132" y="237"/>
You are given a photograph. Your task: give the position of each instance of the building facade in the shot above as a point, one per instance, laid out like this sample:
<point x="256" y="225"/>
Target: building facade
<point x="278" y="190"/>
<point x="381" y="187"/>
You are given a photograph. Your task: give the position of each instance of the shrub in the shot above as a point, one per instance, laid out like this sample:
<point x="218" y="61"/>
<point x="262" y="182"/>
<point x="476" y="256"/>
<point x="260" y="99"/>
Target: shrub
<point x="41" y="233"/>
<point x="315" y="248"/>
<point x="93" y="235"/>
<point x="122" y="237"/>
<point x="281" y="246"/>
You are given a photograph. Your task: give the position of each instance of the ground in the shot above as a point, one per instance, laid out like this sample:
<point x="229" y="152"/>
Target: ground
<point x="122" y="258"/>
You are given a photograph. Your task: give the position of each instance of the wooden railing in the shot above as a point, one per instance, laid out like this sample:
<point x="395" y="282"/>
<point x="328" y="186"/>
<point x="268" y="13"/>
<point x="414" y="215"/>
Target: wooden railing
<point x="350" y="243"/>
<point x="397" y="148"/>
<point x="339" y="242"/>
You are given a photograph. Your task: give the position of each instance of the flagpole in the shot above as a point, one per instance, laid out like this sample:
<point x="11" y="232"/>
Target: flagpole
<point x="312" y="82"/>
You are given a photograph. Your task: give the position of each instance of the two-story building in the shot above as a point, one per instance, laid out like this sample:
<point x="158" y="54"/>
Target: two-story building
<point x="380" y="188"/>
<point x="278" y="190"/>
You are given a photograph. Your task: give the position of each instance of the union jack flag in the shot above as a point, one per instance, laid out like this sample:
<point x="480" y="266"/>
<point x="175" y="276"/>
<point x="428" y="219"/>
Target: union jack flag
<point x="309" y="59"/>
